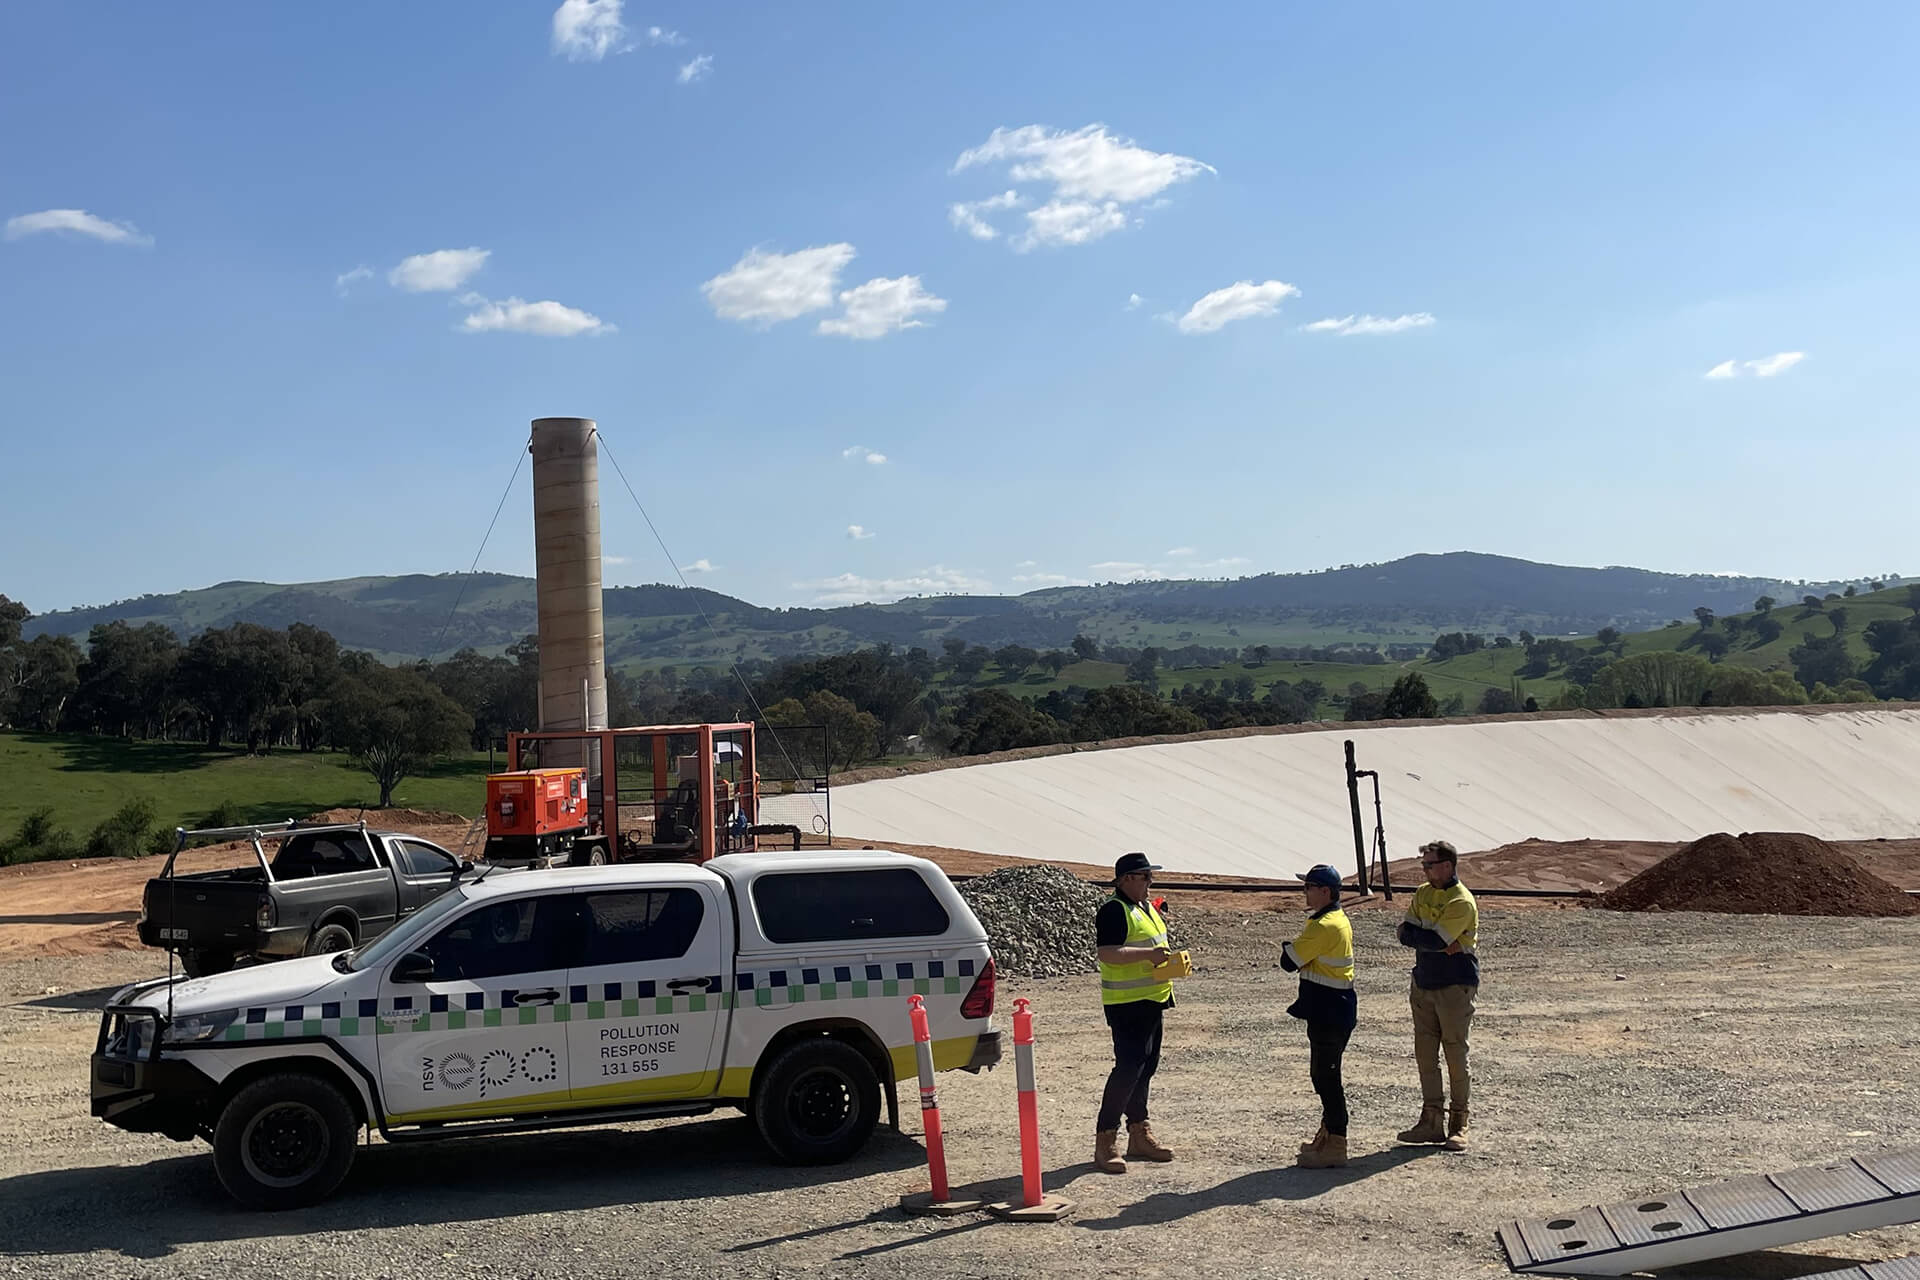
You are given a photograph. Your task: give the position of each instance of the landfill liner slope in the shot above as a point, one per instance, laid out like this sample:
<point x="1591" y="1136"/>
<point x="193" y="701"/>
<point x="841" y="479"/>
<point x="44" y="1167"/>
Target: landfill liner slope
<point x="1760" y="873"/>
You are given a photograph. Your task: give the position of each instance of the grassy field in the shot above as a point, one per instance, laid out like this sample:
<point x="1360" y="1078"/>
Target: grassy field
<point x="85" y="779"/>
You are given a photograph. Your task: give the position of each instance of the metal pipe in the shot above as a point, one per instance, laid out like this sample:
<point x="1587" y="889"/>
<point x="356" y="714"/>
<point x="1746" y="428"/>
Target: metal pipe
<point x="1353" y="803"/>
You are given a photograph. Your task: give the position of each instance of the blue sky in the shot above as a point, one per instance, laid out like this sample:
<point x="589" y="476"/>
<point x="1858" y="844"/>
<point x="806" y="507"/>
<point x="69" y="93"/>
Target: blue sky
<point x="733" y="241"/>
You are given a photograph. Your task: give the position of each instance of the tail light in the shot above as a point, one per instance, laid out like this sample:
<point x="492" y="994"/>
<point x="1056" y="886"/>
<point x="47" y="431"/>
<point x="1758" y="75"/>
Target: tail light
<point x="979" y="1001"/>
<point x="263" y="914"/>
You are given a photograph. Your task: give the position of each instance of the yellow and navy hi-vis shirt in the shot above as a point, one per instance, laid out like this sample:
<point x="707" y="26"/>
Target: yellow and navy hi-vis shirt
<point x="1126" y="983"/>
<point x="1323" y="955"/>
<point x="1437" y="919"/>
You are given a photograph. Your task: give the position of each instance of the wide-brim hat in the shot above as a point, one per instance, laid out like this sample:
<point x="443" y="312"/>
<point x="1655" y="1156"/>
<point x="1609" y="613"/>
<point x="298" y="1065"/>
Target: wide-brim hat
<point x="1129" y="863"/>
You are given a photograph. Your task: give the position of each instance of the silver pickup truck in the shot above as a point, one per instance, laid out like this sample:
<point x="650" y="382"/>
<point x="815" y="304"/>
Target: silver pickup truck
<point x="326" y="888"/>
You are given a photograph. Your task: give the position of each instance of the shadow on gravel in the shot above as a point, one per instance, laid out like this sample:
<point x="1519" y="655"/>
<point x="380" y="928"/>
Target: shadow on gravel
<point x="1285" y="1183"/>
<point x="1768" y="1264"/>
<point x="149" y="1210"/>
<point x="989" y="1191"/>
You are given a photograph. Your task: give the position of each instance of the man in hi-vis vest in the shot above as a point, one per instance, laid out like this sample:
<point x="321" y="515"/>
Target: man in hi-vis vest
<point x="1132" y="940"/>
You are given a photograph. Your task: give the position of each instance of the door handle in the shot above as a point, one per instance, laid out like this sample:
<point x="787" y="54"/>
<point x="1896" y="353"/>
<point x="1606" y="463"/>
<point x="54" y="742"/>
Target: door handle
<point x="545" y="995"/>
<point x="681" y="984"/>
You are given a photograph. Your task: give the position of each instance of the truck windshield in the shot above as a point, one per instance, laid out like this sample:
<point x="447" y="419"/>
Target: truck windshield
<point x="400" y="939"/>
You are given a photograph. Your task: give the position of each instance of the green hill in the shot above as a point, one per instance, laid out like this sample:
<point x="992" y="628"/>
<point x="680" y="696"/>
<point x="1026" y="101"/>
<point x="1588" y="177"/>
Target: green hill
<point x="1404" y="601"/>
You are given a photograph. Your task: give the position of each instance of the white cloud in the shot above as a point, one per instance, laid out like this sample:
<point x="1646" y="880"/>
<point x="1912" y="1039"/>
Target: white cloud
<point x="882" y="306"/>
<point x="1093" y="173"/>
<point x="859" y="533"/>
<point x="1347" y="326"/>
<point x="588" y="30"/>
<point x="1027" y="564"/>
<point x="1240" y="301"/>
<point x="1126" y="571"/>
<point x="1765" y="367"/>
<point x="547" y="319"/>
<point x="441" y="271"/>
<point x="1182" y="551"/>
<point x="849" y="588"/>
<point x="75" y="222"/>
<point x="702" y="565"/>
<point x="346" y="280"/>
<point x="1063" y="222"/>
<point x="1086" y="164"/>
<point x="1225" y="562"/>
<point x="695" y="70"/>
<point x="660" y="36"/>
<point x="616" y="560"/>
<point x="765" y="288"/>
<point x="1133" y="301"/>
<point x="966" y="216"/>
<point x="865" y="454"/>
<point x="1768" y="366"/>
<point x="1048" y="580"/>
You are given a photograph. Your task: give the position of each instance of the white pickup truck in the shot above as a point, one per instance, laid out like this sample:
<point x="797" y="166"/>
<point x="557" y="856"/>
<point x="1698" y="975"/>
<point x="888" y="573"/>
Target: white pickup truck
<point x="540" y="999"/>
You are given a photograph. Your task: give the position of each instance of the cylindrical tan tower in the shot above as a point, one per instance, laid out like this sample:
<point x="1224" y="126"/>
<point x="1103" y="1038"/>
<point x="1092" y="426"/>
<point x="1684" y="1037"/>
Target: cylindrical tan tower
<point x="566" y="549"/>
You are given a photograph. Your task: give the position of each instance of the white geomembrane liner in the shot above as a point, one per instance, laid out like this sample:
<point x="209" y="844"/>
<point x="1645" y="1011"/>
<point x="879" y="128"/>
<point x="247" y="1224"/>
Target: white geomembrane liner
<point x="1274" y="805"/>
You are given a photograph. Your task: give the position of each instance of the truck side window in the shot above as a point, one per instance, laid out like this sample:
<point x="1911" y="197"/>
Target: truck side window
<point x="520" y="935"/>
<point x="840" y="906"/>
<point x="417" y="859"/>
<point x="655" y="924"/>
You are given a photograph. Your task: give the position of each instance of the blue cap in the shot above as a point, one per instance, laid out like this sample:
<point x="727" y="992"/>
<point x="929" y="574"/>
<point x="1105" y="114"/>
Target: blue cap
<point x="1324" y="876"/>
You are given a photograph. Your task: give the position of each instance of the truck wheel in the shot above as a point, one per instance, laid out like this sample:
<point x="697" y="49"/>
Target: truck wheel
<point x="329" y="937"/>
<point x="818" y="1102"/>
<point x="284" y="1140"/>
<point x="597" y="855"/>
<point x="200" y="964"/>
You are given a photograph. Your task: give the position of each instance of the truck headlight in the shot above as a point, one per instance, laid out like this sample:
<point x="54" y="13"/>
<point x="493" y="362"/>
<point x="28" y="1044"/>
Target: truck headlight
<point x="196" y="1028"/>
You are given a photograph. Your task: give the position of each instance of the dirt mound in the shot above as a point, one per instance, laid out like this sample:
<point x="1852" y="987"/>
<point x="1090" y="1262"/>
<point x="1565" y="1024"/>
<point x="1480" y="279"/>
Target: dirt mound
<point x="1761" y="873"/>
<point x="384" y="818"/>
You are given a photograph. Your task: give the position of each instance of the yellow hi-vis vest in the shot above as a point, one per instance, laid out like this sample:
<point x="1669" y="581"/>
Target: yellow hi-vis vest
<point x="1324" y="950"/>
<point x="1125" y="983"/>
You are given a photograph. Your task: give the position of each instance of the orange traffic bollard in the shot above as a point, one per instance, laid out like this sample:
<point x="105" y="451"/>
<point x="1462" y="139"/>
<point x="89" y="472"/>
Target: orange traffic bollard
<point x="938" y="1201"/>
<point x="1035" y="1205"/>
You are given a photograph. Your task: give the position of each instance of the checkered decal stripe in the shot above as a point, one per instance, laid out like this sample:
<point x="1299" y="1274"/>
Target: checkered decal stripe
<point x="770" y="988"/>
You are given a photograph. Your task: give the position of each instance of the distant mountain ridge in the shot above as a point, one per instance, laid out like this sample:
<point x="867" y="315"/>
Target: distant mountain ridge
<point x="414" y="616"/>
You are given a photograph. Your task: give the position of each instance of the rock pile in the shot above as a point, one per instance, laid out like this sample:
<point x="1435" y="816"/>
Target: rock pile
<point x="1039" y="919"/>
<point x="1761" y="873"/>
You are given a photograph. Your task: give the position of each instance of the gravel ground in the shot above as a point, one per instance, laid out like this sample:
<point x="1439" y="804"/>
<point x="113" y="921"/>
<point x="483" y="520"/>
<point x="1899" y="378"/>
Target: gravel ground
<point x="1616" y="1055"/>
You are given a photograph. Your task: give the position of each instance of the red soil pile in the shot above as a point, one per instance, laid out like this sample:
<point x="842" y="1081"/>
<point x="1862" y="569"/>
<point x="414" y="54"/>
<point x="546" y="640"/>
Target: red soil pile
<point x="1761" y="873"/>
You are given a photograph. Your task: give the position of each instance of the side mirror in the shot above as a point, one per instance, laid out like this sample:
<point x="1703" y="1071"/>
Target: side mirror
<point x="415" y="966"/>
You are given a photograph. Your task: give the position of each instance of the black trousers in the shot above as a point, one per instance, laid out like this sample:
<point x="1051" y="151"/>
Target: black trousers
<point x="1136" y="1055"/>
<point x="1326" y="1042"/>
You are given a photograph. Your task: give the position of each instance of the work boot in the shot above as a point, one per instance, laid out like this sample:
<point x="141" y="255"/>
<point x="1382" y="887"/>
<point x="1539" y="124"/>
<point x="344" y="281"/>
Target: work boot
<point x="1330" y="1154"/>
<point x="1428" y="1130"/>
<point x="1141" y="1146"/>
<point x="1313" y="1143"/>
<point x="1456" y="1131"/>
<point x="1105" y="1158"/>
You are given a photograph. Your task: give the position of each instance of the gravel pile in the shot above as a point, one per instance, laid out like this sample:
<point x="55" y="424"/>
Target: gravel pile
<point x="1761" y="873"/>
<point x="1039" y="919"/>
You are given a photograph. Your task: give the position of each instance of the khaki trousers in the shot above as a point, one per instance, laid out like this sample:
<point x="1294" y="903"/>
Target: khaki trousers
<point x="1440" y="1021"/>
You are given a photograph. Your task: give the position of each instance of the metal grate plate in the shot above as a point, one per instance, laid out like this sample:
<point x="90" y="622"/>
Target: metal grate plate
<point x="1740" y="1202"/>
<point x="1831" y="1186"/>
<point x="1662" y="1217"/>
<point x="1584" y="1231"/>
<point x="1898" y="1269"/>
<point x="1900" y="1170"/>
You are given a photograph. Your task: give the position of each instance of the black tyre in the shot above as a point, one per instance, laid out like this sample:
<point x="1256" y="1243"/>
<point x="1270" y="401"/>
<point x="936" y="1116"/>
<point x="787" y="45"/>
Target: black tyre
<point x="329" y="937"/>
<point x="200" y="964"/>
<point x="818" y="1102"/>
<point x="283" y="1141"/>
<point x="596" y="854"/>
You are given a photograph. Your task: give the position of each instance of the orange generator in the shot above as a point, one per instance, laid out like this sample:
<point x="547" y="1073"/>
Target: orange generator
<point x="535" y="814"/>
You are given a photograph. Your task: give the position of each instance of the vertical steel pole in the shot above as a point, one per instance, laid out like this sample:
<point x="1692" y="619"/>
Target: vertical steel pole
<point x="1353" y="802"/>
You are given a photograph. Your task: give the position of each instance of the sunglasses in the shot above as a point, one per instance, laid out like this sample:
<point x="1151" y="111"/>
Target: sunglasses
<point x="1437" y="862"/>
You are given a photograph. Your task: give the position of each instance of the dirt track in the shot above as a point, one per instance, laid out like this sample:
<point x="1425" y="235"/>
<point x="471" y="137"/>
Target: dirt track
<point x="1616" y="1055"/>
